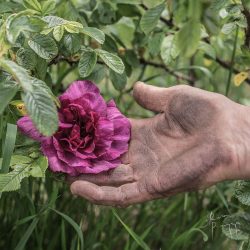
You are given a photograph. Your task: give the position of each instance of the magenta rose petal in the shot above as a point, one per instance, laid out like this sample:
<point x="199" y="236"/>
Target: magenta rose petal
<point x="72" y="160"/>
<point x="54" y="163"/>
<point x="79" y="88"/>
<point x="92" y="134"/>
<point x="86" y="94"/>
<point x="26" y="126"/>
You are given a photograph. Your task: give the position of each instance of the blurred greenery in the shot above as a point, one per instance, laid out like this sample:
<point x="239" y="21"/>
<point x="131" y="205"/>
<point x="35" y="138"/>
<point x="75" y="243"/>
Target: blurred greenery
<point x="45" y="45"/>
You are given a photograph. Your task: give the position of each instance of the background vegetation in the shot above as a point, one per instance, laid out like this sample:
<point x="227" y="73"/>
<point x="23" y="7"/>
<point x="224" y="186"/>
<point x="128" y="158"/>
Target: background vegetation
<point x="45" y="45"/>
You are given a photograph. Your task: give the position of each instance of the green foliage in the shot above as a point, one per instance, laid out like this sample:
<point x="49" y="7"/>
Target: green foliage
<point x="45" y="45"/>
<point x="150" y="19"/>
<point x="119" y="80"/>
<point x="41" y="109"/>
<point x="74" y="225"/>
<point x="12" y="180"/>
<point x="111" y="60"/>
<point x="22" y="167"/>
<point x="169" y="50"/>
<point x="187" y="39"/>
<point x="9" y="144"/>
<point x="87" y="63"/>
<point x="138" y="239"/>
<point x="95" y="33"/>
<point x="26" y="58"/>
<point x="242" y="192"/>
<point x="237" y="227"/>
<point x="8" y="90"/>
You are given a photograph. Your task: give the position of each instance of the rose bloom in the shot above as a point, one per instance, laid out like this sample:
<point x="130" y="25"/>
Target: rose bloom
<point x="92" y="134"/>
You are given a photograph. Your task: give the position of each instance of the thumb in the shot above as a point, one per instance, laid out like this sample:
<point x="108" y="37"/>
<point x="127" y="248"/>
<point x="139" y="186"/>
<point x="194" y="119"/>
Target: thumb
<point x="151" y="97"/>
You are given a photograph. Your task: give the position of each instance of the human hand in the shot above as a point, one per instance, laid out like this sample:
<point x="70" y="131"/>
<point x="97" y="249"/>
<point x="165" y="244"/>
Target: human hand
<point x="197" y="139"/>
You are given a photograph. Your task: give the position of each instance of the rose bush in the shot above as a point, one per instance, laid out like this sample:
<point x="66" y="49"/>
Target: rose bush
<point x="92" y="134"/>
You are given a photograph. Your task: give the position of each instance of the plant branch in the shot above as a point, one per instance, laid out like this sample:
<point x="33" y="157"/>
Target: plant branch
<point x="61" y="58"/>
<point x="170" y="71"/>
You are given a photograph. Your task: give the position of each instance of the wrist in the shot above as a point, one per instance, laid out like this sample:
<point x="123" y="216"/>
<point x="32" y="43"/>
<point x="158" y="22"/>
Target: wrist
<point x="241" y="143"/>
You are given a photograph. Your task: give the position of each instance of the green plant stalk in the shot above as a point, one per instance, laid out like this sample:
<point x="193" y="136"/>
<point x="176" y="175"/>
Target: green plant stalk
<point x="9" y="146"/>
<point x="232" y="62"/>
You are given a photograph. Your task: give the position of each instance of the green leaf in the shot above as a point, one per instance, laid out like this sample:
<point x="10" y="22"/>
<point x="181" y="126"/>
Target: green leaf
<point x="18" y="73"/>
<point x="9" y="145"/>
<point x="27" y="234"/>
<point x="41" y="109"/>
<point x="154" y="43"/>
<point x="242" y="192"/>
<point x="110" y="44"/>
<point x="112" y="61"/>
<point x="119" y="80"/>
<point x="54" y="21"/>
<point x="237" y="226"/>
<point x="41" y="68"/>
<point x="44" y="46"/>
<point x="32" y="4"/>
<point x="208" y="49"/>
<point x="169" y="50"/>
<point x="26" y="58"/>
<point x="71" y="28"/>
<point x="194" y="9"/>
<point x="8" y="7"/>
<point x="137" y="238"/>
<point x="72" y="43"/>
<point x="105" y="13"/>
<point x="188" y="38"/>
<point x="12" y="180"/>
<point x="219" y="4"/>
<point x="131" y="58"/>
<point x="228" y="28"/>
<point x="48" y="6"/>
<point x="25" y="220"/>
<point x="58" y="24"/>
<point x="150" y="19"/>
<point x="95" y="33"/>
<point x="17" y="23"/>
<point x="7" y="92"/>
<point x="73" y="224"/>
<point x="87" y="63"/>
<point x="20" y="159"/>
<point x="126" y="10"/>
<point x="39" y="167"/>
<point x="58" y="33"/>
<point x="98" y="74"/>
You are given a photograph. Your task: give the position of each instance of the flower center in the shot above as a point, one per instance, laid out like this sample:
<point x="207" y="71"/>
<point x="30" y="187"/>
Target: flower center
<point x="81" y="135"/>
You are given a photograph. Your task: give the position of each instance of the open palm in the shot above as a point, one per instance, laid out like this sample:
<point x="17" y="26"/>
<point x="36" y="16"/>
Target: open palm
<point x="186" y="146"/>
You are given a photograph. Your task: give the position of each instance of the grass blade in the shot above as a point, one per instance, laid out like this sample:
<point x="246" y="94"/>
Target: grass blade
<point x="27" y="235"/>
<point x="8" y="147"/>
<point x="73" y="224"/>
<point x="137" y="238"/>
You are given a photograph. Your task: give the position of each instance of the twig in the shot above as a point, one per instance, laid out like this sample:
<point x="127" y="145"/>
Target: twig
<point x="170" y="71"/>
<point x="61" y="58"/>
<point x="232" y="62"/>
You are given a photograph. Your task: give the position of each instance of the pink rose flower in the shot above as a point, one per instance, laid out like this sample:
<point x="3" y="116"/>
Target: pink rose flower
<point x="92" y="134"/>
